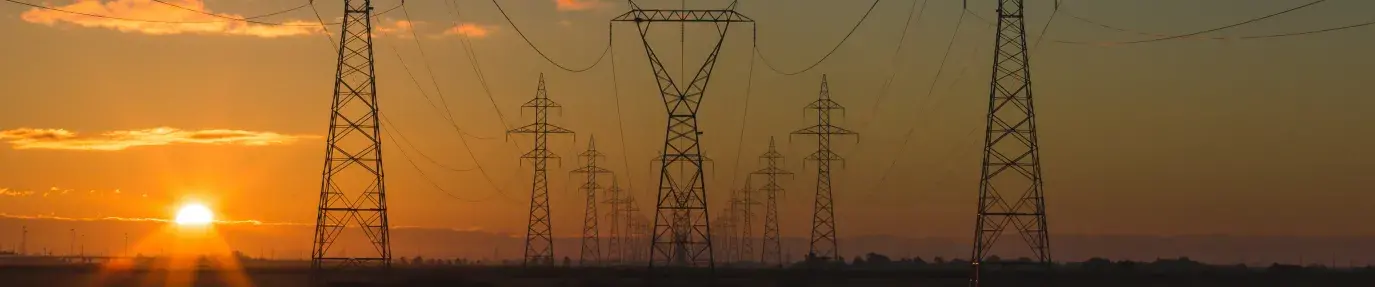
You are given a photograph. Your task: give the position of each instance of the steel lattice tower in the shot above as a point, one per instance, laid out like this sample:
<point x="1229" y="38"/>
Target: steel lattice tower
<point x="591" y="240"/>
<point x="539" y="242"/>
<point x="744" y="213"/>
<point x="1011" y="161"/>
<point x="353" y="199"/>
<point x="773" y="250"/>
<point x="682" y="234"/>
<point x="823" y="243"/>
<point x="636" y="227"/>
<point x="615" y="246"/>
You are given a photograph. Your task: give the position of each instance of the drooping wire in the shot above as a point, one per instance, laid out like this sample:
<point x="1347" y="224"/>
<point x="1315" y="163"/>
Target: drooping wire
<point x="44" y="7"/>
<point x="433" y="81"/>
<point x="421" y="172"/>
<point x="824" y="57"/>
<point x="959" y="22"/>
<point x="451" y="120"/>
<point x="245" y="19"/>
<point x="1046" y="28"/>
<point x="1262" y="36"/>
<point x="620" y="122"/>
<point x="1186" y="35"/>
<point x="476" y="66"/>
<point x="540" y="52"/>
<point x="744" y="121"/>
<point x="325" y="27"/>
<point x="411" y="145"/>
<point x="897" y="60"/>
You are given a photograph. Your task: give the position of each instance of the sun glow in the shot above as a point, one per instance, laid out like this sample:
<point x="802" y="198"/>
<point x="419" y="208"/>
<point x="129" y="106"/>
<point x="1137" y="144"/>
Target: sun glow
<point x="194" y="214"/>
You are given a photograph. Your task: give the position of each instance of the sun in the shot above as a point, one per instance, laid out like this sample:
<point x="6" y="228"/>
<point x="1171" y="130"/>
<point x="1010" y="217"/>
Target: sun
<point x="194" y="214"/>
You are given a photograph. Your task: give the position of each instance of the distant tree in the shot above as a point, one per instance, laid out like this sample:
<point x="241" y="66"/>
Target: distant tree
<point x="993" y="258"/>
<point x="876" y="259"/>
<point x="938" y="260"/>
<point x="567" y="262"/>
<point x="402" y="261"/>
<point x="418" y="260"/>
<point x="858" y="262"/>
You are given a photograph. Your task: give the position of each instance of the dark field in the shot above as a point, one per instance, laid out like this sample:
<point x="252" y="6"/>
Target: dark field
<point x="512" y="276"/>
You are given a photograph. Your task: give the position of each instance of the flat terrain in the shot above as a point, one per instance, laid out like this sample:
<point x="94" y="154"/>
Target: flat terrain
<point x="510" y="276"/>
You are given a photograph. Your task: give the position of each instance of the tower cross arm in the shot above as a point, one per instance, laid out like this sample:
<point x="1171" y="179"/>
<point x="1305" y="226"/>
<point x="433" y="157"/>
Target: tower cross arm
<point x="824" y="129"/>
<point x="665" y="15"/>
<point x="591" y="169"/>
<point x="539" y="128"/>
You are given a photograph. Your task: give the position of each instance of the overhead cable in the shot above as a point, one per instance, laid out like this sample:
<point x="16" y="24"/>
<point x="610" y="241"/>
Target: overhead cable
<point x="228" y="19"/>
<point x="1187" y="35"/>
<point x="620" y="122"/>
<point x="897" y="60"/>
<point x="541" y="53"/>
<point x="824" y="57"/>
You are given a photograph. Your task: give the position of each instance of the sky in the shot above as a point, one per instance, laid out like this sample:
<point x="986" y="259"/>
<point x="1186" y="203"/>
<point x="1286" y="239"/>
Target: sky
<point x="1238" y="137"/>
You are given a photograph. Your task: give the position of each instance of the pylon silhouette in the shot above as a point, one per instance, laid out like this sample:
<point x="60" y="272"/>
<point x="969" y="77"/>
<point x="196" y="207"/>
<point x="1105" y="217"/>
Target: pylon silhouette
<point x="539" y="242"/>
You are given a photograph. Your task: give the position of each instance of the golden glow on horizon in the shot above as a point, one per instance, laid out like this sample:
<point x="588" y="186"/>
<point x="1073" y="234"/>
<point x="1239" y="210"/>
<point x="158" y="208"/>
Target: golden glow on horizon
<point x="194" y="214"/>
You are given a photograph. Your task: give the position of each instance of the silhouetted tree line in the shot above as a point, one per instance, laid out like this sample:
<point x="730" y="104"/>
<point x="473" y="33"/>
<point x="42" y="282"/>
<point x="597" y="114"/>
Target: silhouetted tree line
<point x="875" y="261"/>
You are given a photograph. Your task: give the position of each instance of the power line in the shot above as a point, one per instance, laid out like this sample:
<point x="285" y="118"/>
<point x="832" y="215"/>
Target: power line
<point x="616" y="92"/>
<point x="433" y="81"/>
<point x="540" y="52"/>
<point x="476" y="66"/>
<point x="422" y="173"/>
<point x="1260" y="36"/>
<point x="1046" y="28"/>
<point x="1252" y="20"/>
<point x="744" y="121"/>
<point x="451" y="120"/>
<point x="897" y="53"/>
<point x="824" y="57"/>
<point x="417" y="150"/>
<point x="246" y="19"/>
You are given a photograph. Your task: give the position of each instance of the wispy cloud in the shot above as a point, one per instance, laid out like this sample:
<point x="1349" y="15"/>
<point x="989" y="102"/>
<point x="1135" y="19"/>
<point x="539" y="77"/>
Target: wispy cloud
<point x="142" y="219"/>
<point x="150" y="10"/>
<point x="579" y="5"/>
<point x="60" y="139"/>
<point x="472" y="30"/>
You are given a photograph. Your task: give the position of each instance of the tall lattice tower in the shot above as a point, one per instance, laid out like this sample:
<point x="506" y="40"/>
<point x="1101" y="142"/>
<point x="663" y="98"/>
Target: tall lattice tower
<point x="773" y="248"/>
<point x="539" y="242"/>
<point x="353" y="201"/>
<point x="1011" y="161"/>
<point x="616" y="242"/>
<point x="591" y="253"/>
<point x="682" y="234"/>
<point x="743" y="219"/>
<point x="823" y="245"/>
<point x="637" y="229"/>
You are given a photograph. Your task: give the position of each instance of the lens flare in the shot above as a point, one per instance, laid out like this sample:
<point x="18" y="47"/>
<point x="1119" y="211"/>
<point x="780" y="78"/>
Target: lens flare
<point x="194" y="214"/>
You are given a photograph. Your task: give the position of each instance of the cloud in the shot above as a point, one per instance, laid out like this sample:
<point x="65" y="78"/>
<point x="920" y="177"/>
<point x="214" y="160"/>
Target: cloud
<point x="59" y="139"/>
<point x="396" y="28"/>
<point x="138" y="219"/>
<point x="150" y="10"/>
<point x="578" y="5"/>
<point x="471" y="30"/>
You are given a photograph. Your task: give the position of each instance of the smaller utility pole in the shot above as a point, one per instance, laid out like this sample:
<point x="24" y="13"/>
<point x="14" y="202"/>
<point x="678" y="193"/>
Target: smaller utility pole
<point x="24" y="241"/>
<point x="71" y="247"/>
<point x="591" y="238"/>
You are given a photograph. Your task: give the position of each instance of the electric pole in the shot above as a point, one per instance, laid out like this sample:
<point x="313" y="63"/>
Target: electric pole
<point x="539" y="240"/>
<point x="615" y="248"/>
<point x="823" y="244"/>
<point x="1011" y="159"/>
<point x="591" y="239"/>
<point x="772" y="242"/>
<point x="681" y="235"/>
<point x="24" y="241"/>
<point x="353" y="199"/>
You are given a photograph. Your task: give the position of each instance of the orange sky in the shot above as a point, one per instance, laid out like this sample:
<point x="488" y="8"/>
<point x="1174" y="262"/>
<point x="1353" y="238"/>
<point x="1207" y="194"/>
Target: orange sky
<point x="105" y="118"/>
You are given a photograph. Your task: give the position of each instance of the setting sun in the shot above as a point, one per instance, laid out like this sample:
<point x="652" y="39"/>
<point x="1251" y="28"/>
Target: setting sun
<point x="194" y="214"/>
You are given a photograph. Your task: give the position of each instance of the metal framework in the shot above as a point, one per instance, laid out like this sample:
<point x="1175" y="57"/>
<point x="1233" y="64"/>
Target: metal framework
<point x="616" y="243"/>
<point x="681" y="234"/>
<point x="773" y="250"/>
<point x="823" y="243"/>
<point x="591" y="253"/>
<point x="539" y="242"/>
<point x="1011" y="161"/>
<point x="742" y="218"/>
<point x="638" y="229"/>
<point x="353" y="199"/>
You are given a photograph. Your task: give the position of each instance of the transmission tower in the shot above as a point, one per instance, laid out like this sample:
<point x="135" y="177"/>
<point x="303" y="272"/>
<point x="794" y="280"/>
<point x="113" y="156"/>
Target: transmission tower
<point x="773" y="250"/>
<point x="591" y="240"/>
<point x="823" y="245"/>
<point x="1011" y="160"/>
<point x="636" y="227"/>
<point x="539" y="242"/>
<point x="744" y="213"/>
<point x="353" y="197"/>
<point x="725" y="230"/>
<point x="682" y="234"/>
<point x="616" y="244"/>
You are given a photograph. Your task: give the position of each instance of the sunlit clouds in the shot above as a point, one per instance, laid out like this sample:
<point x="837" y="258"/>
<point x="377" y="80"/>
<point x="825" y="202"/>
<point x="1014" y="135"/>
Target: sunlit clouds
<point x="471" y="30"/>
<point x="145" y="219"/>
<point x="150" y="10"/>
<point x="578" y="5"/>
<point x="59" y="139"/>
